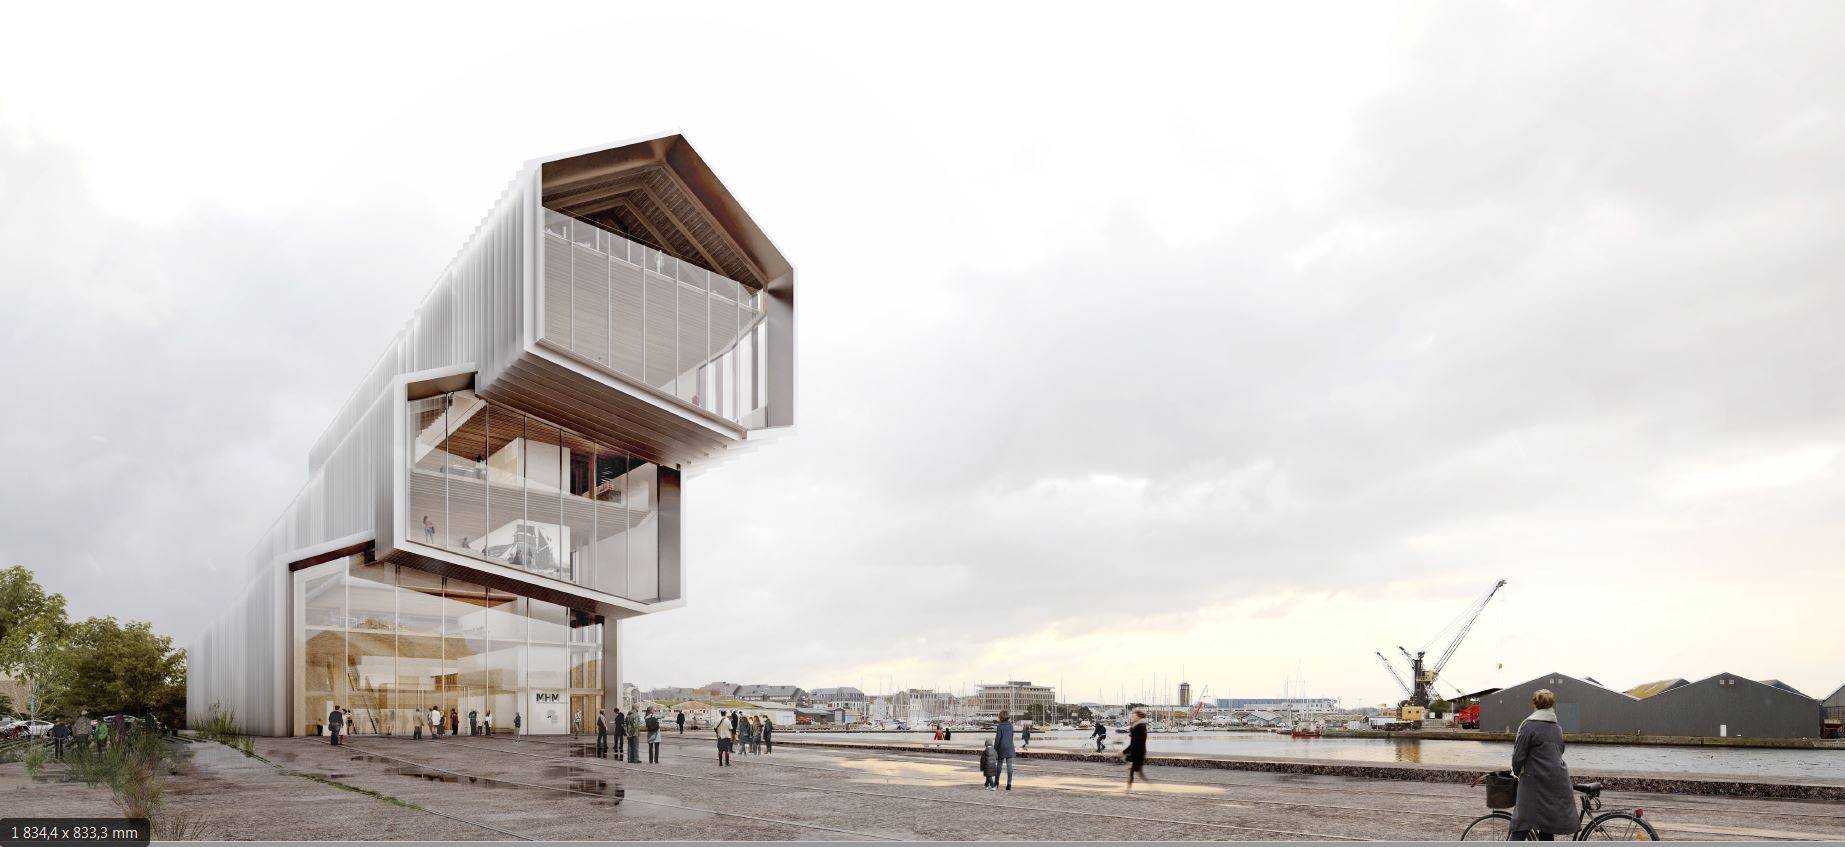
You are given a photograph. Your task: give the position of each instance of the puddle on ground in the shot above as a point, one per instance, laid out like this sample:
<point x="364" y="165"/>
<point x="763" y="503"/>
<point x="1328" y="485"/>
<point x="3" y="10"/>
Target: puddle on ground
<point x="577" y="781"/>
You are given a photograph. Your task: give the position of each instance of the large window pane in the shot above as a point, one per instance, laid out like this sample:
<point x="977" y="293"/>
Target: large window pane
<point x="694" y="332"/>
<point x="642" y="494"/>
<point x="467" y="472"/>
<point x="319" y="649"/>
<point x="505" y="486"/>
<point x="662" y="348"/>
<point x="611" y="548"/>
<point x="628" y="322"/>
<point x="428" y="488"/>
<point x="579" y="508"/>
<point x="544" y="471"/>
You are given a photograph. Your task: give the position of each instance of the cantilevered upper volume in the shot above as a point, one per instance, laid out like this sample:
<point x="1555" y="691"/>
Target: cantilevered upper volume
<point x="614" y="320"/>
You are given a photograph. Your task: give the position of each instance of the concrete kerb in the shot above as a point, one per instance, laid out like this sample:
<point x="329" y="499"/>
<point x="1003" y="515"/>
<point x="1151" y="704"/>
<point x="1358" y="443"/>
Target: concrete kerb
<point x="1612" y="781"/>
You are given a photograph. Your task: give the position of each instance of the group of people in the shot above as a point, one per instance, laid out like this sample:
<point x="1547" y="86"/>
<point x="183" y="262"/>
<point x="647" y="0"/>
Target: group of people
<point x="747" y="735"/>
<point x="86" y="731"/>
<point x="629" y="726"/>
<point x="340" y="722"/>
<point x="999" y="753"/>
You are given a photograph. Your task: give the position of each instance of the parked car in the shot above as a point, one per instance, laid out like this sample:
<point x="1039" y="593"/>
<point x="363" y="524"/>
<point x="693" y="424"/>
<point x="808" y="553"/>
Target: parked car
<point x="37" y="727"/>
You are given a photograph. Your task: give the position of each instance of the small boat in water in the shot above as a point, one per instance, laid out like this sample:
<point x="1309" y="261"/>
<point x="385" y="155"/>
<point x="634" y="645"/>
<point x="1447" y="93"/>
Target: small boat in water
<point x="1305" y="729"/>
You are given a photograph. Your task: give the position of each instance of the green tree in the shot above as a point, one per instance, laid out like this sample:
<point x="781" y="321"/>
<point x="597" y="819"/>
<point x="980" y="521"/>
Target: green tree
<point x="31" y="625"/>
<point x="1035" y="713"/>
<point x="104" y="667"/>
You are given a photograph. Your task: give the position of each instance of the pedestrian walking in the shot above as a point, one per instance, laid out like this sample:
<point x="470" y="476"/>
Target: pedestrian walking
<point x="518" y="723"/>
<point x="1546" y="806"/>
<point x="473" y="722"/>
<point x="722" y="730"/>
<point x="435" y="722"/>
<point x="1136" y="753"/>
<point x="1003" y="750"/>
<point x="1100" y="734"/>
<point x="60" y="733"/>
<point x="768" y="734"/>
<point x="1026" y="735"/>
<point x="602" y="736"/>
<point x="679" y="718"/>
<point x="336" y="722"/>
<point x="989" y="766"/>
<point x="756" y="734"/>
<point x="653" y="737"/>
<point x="488" y="726"/>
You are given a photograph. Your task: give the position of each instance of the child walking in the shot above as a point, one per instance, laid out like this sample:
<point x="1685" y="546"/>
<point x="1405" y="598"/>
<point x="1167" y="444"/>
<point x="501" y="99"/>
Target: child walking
<point x="989" y="767"/>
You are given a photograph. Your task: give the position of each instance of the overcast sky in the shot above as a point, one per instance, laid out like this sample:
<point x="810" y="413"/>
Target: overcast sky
<point x="1135" y="340"/>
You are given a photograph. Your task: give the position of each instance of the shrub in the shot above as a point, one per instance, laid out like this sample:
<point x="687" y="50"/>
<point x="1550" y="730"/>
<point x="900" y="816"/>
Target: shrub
<point x="35" y="761"/>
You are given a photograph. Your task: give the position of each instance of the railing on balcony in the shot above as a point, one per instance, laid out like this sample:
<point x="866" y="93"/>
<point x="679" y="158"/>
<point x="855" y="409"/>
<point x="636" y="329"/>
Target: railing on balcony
<point x="641" y="313"/>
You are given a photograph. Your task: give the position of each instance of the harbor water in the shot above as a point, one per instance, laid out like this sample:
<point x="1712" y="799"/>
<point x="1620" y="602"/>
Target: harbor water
<point x="1797" y="765"/>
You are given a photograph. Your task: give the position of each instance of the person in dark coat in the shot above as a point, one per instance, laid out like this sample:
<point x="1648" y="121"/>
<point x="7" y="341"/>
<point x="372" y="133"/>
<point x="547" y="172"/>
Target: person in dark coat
<point x="768" y="735"/>
<point x="1546" y="799"/>
<point x="1025" y="735"/>
<point x="1136" y="753"/>
<point x="1003" y="751"/>
<point x="602" y="736"/>
<point x="679" y="718"/>
<point x="60" y="733"/>
<point x="1100" y="733"/>
<point x="621" y="732"/>
<point x="989" y="775"/>
<point x="336" y="721"/>
<point x="473" y="721"/>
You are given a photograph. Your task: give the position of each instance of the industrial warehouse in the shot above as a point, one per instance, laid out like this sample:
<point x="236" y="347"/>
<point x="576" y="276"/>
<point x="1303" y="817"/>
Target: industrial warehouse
<point x="1720" y="706"/>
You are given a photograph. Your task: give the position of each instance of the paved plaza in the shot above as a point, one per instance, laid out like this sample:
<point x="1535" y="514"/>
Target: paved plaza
<point x="554" y="788"/>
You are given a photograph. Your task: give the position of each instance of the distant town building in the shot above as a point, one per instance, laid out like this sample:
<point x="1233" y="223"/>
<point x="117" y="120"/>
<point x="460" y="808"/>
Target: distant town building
<point x="1278" y="704"/>
<point x="1015" y="695"/>
<point x="1835" y="714"/>
<point x="1185" y="694"/>
<point x="775" y="693"/>
<point x="1721" y="706"/>
<point x="716" y="689"/>
<point x="837" y="694"/>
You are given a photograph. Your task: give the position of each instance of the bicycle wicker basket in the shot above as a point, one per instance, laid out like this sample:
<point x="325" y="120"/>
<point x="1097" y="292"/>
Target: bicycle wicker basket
<point x="1501" y="790"/>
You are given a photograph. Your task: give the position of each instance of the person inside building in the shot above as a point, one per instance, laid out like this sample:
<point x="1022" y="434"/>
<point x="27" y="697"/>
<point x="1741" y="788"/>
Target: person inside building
<point x="1546" y="806"/>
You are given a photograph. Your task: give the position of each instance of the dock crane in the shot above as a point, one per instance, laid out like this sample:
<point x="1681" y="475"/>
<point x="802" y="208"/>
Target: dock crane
<point x="1420" y="691"/>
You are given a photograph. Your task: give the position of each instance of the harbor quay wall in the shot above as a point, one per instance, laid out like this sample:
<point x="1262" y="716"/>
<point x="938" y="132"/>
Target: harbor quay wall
<point x="1612" y="781"/>
<point x="1598" y="738"/>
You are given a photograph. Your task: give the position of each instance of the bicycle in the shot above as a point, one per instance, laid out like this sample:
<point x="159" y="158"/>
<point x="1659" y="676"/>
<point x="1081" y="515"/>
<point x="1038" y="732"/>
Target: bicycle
<point x="1615" y="825"/>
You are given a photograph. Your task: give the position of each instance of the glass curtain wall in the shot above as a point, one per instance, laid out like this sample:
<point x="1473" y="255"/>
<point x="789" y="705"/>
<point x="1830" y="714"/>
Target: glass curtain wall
<point x="647" y="315"/>
<point x="388" y="643"/>
<point x="494" y="483"/>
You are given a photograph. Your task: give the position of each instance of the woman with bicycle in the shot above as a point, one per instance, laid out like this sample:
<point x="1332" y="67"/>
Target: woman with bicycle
<point x="1546" y="805"/>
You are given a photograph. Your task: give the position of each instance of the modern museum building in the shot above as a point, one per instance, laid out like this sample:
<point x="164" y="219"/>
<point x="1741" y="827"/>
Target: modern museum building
<point x="504" y="487"/>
